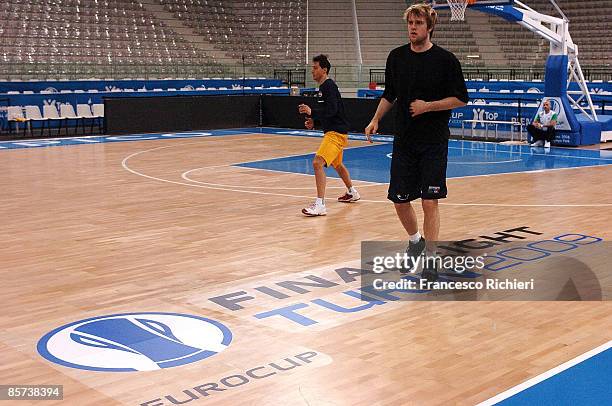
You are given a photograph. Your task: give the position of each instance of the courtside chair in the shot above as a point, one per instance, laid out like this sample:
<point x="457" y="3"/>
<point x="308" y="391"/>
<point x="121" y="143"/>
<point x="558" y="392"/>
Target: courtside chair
<point x="84" y="110"/>
<point x="33" y="114"/>
<point x="50" y="112"/>
<point x="98" y="114"/>
<point x="14" y="114"/>
<point x="67" y="113"/>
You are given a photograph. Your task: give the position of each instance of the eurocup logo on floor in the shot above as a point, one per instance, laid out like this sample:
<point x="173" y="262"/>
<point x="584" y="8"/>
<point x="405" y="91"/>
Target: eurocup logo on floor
<point x="134" y="342"/>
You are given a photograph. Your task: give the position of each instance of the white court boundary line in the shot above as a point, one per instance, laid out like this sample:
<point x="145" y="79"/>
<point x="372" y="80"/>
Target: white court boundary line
<point x="542" y="377"/>
<point x="535" y="154"/>
<point x="228" y="189"/>
<point x="390" y="156"/>
<point x="186" y="176"/>
<point x="485" y="163"/>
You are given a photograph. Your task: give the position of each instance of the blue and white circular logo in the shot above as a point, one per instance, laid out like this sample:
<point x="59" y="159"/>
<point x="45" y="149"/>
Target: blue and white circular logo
<point x="134" y="342"/>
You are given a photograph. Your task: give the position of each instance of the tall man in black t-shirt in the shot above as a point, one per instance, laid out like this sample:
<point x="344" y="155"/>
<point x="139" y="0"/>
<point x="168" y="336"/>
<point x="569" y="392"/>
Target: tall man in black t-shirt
<point x="425" y="82"/>
<point x="330" y="111"/>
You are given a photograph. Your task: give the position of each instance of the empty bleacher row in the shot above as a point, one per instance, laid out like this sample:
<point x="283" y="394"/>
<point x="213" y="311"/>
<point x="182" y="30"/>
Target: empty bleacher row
<point x="47" y="38"/>
<point x="589" y="22"/>
<point x="263" y="32"/>
<point x="485" y="40"/>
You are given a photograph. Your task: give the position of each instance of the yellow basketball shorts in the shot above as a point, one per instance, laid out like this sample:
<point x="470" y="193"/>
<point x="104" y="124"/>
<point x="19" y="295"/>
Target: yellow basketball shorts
<point x="331" y="148"/>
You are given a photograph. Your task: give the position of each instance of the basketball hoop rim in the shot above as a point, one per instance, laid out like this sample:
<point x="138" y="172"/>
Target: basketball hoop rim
<point x="457" y="8"/>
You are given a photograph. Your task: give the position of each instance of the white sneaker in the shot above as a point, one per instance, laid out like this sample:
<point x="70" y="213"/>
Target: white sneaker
<point x="349" y="197"/>
<point x="314" y="210"/>
<point x="547" y="144"/>
<point x="538" y="143"/>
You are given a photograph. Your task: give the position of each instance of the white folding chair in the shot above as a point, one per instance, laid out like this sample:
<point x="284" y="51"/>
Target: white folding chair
<point x="14" y="114"/>
<point x="67" y="113"/>
<point x="98" y="114"/>
<point x="98" y="110"/>
<point x="33" y="114"/>
<point x="84" y="110"/>
<point x="50" y="112"/>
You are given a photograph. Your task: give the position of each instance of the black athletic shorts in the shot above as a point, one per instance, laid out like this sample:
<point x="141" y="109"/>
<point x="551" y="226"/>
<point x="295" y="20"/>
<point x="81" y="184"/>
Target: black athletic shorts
<point x="418" y="171"/>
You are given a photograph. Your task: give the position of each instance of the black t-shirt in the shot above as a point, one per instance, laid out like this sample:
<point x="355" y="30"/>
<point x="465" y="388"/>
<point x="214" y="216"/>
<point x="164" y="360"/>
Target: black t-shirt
<point x="431" y="75"/>
<point x="329" y="109"/>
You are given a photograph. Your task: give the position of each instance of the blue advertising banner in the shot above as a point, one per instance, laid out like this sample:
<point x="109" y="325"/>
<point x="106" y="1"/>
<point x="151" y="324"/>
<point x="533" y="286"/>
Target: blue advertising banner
<point x="511" y="88"/>
<point x="56" y="86"/>
<point x="482" y="113"/>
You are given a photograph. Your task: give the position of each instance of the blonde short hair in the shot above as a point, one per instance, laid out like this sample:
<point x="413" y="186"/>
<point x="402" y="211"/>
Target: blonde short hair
<point x="423" y="10"/>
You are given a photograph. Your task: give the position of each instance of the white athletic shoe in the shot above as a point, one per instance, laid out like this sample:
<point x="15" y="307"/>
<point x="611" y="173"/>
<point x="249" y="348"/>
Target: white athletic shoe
<point x="538" y="143"/>
<point x="314" y="210"/>
<point x="547" y="144"/>
<point x="349" y="197"/>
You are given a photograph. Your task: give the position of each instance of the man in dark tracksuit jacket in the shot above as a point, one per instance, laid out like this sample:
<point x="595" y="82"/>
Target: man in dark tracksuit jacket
<point x="330" y="112"/>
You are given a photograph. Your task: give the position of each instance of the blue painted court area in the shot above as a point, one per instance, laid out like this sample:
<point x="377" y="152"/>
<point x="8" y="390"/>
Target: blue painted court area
<point x="465" y="158"/>
<point x="371" y="162"/>
<point x="586" y="383"/>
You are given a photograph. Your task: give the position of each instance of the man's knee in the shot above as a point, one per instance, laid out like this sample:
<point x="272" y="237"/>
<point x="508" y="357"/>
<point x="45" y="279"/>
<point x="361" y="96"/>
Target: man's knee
<point x="533" y="130"/>
<point x="429" y="205"/>
<point x="401" y="207"/>
<point x="318" y="162"/>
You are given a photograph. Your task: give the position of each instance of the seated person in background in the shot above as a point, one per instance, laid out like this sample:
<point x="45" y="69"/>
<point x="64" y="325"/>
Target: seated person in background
<point x="542" y="130"/>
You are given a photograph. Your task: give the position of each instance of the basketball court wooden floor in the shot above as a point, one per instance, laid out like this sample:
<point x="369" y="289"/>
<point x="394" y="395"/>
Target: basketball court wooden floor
<point x="225" y="294"/>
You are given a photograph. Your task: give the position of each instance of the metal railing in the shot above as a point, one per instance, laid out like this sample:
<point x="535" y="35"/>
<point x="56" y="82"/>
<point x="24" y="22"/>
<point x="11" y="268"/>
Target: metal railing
<point x="603" y="73"/>
<point x="347" y="76"/>
<point x="291" y="77"/>
<point x="26" y="71"/>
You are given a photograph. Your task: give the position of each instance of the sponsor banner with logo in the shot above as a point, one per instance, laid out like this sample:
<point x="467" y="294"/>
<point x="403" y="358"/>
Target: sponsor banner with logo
<point x="600" y="88"/>
<point x="54" y="86"/>
<point x="481" y="114"/>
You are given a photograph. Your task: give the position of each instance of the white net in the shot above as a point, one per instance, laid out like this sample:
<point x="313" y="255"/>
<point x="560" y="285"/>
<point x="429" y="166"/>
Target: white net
<point x="457" y="8"/>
